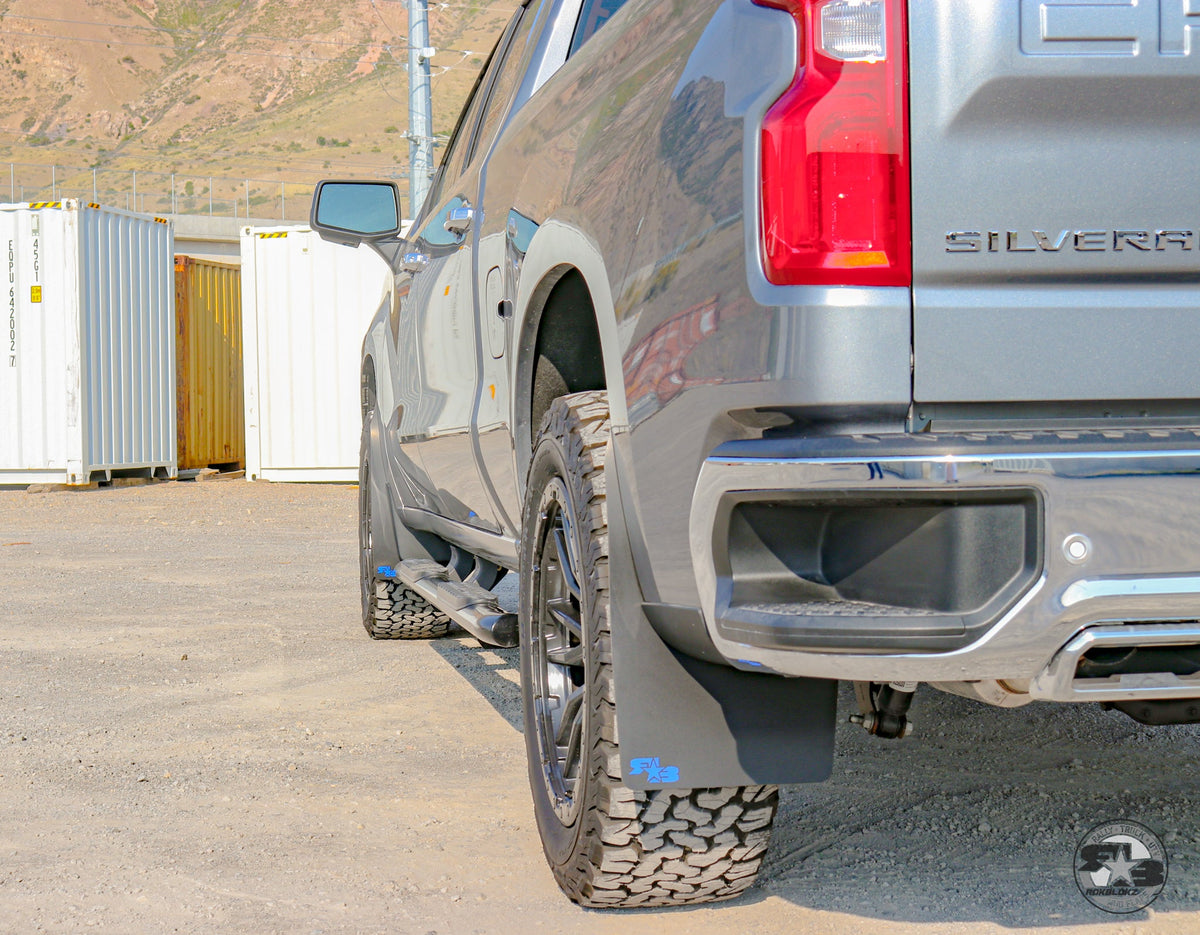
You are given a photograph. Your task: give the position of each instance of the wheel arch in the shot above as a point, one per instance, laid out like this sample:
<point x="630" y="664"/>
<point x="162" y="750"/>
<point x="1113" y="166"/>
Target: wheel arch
<point x="564" y="306"/>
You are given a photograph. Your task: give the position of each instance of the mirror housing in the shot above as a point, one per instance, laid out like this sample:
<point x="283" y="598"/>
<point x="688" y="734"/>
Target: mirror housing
<point x="356" y="212"/>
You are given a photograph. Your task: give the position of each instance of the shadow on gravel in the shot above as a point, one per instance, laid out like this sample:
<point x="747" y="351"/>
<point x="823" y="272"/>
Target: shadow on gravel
<point x="976" y="817"/>
<point x="486" y="669"/>
<point x="973" y="819"/>
<point x="494" y="673"/>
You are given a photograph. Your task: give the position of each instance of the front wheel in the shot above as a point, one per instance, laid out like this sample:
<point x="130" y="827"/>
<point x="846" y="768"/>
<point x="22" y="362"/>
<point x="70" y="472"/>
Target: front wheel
<point x="390" y="611"/>
<point x="608" y="845"/>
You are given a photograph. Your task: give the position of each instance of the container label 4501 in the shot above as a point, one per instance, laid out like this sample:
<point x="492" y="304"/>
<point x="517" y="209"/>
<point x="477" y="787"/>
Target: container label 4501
<point x="12" y="304"/>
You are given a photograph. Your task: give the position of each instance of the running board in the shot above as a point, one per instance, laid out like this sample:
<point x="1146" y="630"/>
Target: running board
<point x="472" y="607"/>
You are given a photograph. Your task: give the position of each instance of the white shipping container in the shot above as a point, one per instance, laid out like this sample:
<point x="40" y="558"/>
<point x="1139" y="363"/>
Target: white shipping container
<point x="87" y="378"/>
<point x="306" y="305"/>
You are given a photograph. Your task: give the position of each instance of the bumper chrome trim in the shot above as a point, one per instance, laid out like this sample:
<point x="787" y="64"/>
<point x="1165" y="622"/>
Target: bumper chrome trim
<point x="1101" y="588"/>
<point x="1057" y="681"/>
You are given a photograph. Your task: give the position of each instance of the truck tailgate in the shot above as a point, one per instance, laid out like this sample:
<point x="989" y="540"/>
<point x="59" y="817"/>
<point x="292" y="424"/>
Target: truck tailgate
<point x="1056" y="210"/>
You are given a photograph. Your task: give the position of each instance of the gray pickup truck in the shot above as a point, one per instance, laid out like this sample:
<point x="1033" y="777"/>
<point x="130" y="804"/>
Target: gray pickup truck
<point x="776" y="343"/>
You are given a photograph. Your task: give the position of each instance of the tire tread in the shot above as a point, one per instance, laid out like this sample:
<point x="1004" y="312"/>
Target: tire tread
<point x="666" y="847"/>
<point x="399" y="613"/>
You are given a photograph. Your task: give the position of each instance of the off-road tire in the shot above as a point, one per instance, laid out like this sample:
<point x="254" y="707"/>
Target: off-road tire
<point x="608" y="845"/>
<point x="390" y="610"/>
<point x="399" y="613"/>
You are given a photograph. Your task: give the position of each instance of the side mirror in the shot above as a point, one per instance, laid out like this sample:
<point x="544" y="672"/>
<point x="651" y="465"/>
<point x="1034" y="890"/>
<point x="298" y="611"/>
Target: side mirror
<point x="352" y="213"/>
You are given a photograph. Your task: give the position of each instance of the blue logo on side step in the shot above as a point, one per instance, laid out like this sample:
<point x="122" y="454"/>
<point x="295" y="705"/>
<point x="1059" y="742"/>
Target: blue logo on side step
<point x="655" y="772"/>
<point x="386" y="571"/>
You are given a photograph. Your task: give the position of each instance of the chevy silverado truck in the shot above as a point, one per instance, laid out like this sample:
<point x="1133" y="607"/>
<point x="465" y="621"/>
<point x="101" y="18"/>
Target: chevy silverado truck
<point x="775" y="343"/>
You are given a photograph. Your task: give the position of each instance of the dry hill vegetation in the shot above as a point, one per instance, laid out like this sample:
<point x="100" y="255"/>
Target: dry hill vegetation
<point x="287" y="90"/>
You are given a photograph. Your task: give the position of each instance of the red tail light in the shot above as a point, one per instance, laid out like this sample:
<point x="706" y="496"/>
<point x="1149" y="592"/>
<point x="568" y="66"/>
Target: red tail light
<point x="835" y="189"/>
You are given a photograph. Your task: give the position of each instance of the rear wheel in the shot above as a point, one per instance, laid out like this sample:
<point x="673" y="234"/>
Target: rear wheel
<point x="608" y="845"/>
<point x="390" y="611"/>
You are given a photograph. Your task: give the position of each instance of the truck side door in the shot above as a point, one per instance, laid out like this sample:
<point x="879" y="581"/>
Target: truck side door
<point x="492" y="426"/>
<point x="442" y="296"/>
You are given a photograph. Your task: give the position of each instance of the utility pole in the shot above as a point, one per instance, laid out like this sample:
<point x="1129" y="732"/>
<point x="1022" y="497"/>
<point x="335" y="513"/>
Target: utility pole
<point x="420" y="104"/>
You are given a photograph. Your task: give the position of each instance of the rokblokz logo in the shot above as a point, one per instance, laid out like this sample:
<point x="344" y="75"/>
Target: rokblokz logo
<point x="1121" y="866"/>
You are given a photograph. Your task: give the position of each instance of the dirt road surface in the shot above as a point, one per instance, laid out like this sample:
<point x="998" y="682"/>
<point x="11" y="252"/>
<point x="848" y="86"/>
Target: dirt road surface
<point x="196" y="735"/>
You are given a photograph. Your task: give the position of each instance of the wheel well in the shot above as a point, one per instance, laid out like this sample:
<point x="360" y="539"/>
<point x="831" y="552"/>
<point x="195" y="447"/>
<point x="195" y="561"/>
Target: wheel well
<point x="567" y="354"/>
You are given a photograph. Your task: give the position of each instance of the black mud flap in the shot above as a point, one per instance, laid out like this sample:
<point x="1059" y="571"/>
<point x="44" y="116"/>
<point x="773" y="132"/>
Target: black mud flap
<point x="391" y="540"/>
<point x="685" y="723"/>
<point x="383" y="524"/>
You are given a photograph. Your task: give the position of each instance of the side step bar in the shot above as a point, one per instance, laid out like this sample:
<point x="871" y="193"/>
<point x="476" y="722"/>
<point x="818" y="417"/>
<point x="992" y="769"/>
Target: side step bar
<point x="472" y="607"/>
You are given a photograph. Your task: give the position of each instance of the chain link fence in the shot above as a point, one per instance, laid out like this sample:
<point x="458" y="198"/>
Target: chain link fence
<point x="160" y="192"/>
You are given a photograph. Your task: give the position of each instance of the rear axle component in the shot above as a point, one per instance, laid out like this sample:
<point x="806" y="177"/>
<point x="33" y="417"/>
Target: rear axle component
<point x="884" y="708"/>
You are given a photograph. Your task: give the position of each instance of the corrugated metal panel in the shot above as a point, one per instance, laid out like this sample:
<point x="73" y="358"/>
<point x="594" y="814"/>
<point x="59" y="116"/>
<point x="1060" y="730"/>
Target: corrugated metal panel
<point x="88" y="375"/>
<point x="128" y="340"/>
<point x="41" y="345"/>
<point x="209" y="404"/>
<point x="306" y="305"/>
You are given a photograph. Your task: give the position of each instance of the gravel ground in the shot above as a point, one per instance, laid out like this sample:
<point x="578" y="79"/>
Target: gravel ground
<point x="196" y="735"/>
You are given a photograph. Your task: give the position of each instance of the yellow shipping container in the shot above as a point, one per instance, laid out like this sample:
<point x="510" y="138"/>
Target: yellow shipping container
<point x="208" y="354"/>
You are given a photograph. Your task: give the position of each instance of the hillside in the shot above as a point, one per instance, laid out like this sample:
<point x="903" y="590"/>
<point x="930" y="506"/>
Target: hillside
<point x="288" y="90"/>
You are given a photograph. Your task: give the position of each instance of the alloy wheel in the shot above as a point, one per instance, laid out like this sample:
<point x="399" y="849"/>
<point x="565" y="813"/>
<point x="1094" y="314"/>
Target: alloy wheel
<point x="557" y="651"/>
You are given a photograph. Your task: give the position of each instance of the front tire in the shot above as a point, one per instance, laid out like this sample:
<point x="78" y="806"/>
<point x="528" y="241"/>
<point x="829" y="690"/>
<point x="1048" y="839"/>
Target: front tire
<point x="390" y="611"/>
<point x="608" y="845"/>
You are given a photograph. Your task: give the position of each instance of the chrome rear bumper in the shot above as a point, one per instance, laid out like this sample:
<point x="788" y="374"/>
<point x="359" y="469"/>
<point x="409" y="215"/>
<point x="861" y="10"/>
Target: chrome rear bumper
<point x="1118" y="542"/>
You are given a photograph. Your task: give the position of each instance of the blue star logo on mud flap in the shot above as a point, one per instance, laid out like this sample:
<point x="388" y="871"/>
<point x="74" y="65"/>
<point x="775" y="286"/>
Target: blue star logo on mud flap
<point x="654" y="771"/>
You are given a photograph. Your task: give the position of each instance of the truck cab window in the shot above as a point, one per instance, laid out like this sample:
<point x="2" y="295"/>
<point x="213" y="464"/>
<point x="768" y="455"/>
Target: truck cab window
<point x="507" y="75"/>
<point x="488" y="96"/>
<point x="593" y="15"/>
<point x="455" y="157"/>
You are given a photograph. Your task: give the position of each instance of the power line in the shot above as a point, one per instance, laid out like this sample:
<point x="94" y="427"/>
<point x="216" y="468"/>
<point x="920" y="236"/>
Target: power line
<point x="386" y="25"/>
<point x="383" y="87"/>
<point x="447" y="68"/>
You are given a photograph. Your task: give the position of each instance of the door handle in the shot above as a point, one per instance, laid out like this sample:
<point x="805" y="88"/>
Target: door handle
<point x="413" y="262"/>
<point x="458" y="220"/>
